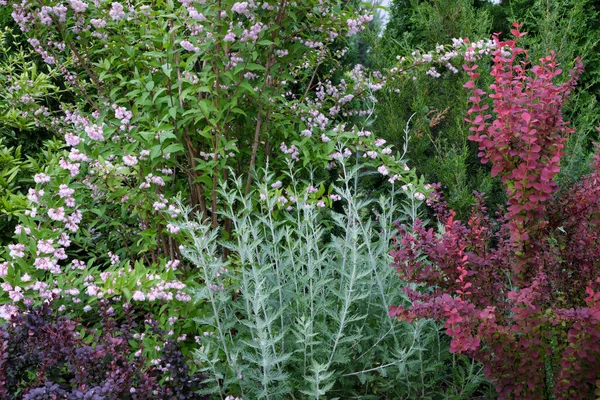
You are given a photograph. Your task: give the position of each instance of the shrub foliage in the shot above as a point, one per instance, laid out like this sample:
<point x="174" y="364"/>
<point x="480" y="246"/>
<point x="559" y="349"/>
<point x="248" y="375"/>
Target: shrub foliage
<point x="519" y="292"/>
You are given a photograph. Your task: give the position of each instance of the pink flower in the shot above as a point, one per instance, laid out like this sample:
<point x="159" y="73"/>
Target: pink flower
<point x="60" y="254"/>
<point x="230" y="37"/>
<point x="114" y="259"/>
<point x="157" y="180"/>
<point x="76" y="264"/>
<point x="183" y="297"/>
<point x="33" y="194"/>
<point x="57" y="214"/>
<point x="116" y="12"/>
<point x="45" y="246"/>
<point x="241" y="8"/>
<point x="158" y="205"/>
<point x="130" y="160"/>
<point x="188" y="46"/>
<point x="194" y="14"/>
<point x="65" y="191"/>
<point x="4" y="269"/>
<point x="98" y="23"/>
<point x="72" y="168"/>
<point x="383" y="170"/>
<point x="419" y="196"/>
<point x="41" y="178"/>
<point x="47" y="264"/>
<point x="8" y="310"/>
<point x="72" y="140"/>
<point x="16" y="294"/>
<point x="138" y="296"/>
<point x="173" y="229"/>
<point x="95" y="132"/>
<point x="16" y="250"/>
<point x="20" y="228"/>
<point x="78" y="6"/>
<point x="172" y="265"/>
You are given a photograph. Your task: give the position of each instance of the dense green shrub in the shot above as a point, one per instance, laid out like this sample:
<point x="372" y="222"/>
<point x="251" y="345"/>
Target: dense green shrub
<point x="571" y="29"/>
<point x="438" y="145"/>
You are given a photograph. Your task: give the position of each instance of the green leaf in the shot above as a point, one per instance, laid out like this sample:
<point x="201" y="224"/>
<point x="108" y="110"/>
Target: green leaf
<point x="167" y="69"/>
<point x="174" y="148"/>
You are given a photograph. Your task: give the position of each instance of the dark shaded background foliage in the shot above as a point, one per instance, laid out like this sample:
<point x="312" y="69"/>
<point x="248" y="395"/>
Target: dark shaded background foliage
<point x="438" y="145"/>
<point x="47" y="356"/>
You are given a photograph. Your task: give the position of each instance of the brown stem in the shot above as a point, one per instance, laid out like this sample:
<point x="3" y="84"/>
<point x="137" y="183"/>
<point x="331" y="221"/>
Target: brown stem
<point x="254" y="151"/>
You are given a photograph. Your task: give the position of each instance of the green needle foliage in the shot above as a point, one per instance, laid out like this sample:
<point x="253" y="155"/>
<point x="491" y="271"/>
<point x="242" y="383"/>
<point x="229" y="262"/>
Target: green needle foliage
<point x="439" y="148"/>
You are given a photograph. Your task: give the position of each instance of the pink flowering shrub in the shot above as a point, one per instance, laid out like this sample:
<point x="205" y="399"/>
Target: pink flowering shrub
<point x="520" y="292"/>
<point x="171" y="99"/>
<point x="169" y="102"/>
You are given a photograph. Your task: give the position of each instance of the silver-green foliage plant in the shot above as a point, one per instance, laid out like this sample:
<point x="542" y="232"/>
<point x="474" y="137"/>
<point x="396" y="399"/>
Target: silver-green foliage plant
<point x="300" y="311"/>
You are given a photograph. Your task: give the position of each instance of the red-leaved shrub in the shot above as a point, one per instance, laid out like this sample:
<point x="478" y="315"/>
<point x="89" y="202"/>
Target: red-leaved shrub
<point x="519" y="292"/>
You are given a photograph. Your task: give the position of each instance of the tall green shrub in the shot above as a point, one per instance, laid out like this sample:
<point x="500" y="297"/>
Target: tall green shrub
<point x="438" y="144"/>
<point x="571" y="29"/>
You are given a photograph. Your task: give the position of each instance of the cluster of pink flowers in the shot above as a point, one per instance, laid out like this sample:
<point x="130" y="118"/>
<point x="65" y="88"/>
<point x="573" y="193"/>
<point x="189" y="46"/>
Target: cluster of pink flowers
<point x="117" y="11"/>
<point x="293" y="151"/>
<point x="358" y="24"/>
